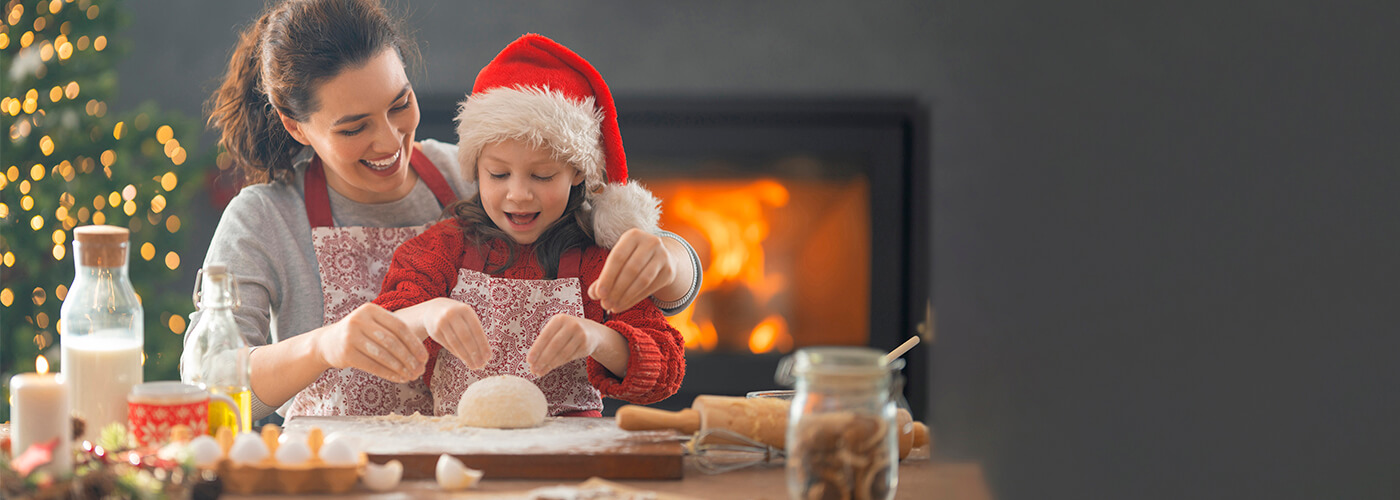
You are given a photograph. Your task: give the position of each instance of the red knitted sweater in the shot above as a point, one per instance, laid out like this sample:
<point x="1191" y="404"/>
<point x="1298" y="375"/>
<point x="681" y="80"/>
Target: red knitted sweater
<point x="426" y="266"/>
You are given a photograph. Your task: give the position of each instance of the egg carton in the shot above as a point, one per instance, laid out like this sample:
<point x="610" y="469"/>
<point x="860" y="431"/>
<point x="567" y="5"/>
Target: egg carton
<point x="268" y="476"/>
<point x="286" y="479"/>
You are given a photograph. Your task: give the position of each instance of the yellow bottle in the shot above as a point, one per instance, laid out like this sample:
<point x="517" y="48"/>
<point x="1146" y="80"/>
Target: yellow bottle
<point x="216" y="356"/>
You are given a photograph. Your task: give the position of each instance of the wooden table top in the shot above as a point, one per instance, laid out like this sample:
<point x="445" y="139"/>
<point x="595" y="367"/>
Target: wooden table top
<point x="922" y="479"/>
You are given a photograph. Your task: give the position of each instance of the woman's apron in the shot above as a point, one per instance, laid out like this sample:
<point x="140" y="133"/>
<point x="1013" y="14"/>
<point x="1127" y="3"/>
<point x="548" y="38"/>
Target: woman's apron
<point x="352" y="262"/>
<point x="512" y="313"/>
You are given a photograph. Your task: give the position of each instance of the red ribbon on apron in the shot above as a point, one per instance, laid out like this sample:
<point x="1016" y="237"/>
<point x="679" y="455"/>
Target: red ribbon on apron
<point x="352" y="262"/>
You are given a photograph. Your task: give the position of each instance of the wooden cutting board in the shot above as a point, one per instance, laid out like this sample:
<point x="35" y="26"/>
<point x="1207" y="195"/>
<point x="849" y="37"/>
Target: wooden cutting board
<point x="562" y="448"/>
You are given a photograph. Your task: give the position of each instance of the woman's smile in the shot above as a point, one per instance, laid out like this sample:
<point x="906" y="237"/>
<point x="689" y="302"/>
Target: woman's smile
<point x="385" y="166"/>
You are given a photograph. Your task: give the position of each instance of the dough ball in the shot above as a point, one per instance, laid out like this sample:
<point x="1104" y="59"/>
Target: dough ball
<point x="503" y="402"/>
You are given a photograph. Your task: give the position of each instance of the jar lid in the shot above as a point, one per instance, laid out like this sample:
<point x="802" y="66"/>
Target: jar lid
<point x="100" y="245"/>
<point x="101" y="234"/>
<point x="854" y="362"/>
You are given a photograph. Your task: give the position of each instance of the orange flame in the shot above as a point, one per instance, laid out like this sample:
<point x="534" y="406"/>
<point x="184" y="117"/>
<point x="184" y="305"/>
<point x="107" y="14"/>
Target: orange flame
<point x="697" y="336"/>
<point x="41" y="364"/>
<point x="733" y="223"/>
<point x="769" y="334"/>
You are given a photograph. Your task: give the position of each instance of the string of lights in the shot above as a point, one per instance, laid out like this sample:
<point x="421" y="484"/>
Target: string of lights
<point x="67" y="161"/>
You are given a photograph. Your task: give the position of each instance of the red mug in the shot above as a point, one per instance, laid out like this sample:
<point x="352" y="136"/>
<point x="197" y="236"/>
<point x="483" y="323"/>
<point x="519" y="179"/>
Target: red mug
<point x="155" y="408"/>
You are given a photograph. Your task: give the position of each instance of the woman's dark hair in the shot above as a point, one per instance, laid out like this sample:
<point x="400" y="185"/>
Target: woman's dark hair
<point x="276" y="67"/>
<point x="570" y="231"/>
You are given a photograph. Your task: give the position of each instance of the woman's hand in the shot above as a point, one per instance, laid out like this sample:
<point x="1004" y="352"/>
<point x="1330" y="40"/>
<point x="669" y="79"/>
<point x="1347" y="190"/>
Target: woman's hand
<point x="566" y="338"/>
<point x="453" y="324"/>
<point x="372" y="339"/>
<point x="637" y="267"/>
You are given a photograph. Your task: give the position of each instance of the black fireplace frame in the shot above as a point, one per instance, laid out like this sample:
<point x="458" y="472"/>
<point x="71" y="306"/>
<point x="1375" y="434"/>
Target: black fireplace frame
<point x="891" y="132"/>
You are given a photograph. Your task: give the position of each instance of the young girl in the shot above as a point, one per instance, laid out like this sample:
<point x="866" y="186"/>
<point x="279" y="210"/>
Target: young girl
<point x="539" y="133"/>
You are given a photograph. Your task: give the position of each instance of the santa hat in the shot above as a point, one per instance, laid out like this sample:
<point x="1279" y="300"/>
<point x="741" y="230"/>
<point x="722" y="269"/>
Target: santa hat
<point x="540" y="92"/>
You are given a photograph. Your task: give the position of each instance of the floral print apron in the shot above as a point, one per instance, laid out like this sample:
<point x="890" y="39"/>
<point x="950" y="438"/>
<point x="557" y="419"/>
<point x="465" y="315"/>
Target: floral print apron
<point x="352" y="262"/>
<point x="512" y="313"/>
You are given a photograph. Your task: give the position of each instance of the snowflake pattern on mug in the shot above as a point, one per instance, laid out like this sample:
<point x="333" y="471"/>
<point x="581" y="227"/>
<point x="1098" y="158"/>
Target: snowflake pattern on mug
<point x="151" y="423"/>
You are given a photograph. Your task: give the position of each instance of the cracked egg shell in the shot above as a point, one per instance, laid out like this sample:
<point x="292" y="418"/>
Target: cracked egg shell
<point x="382" y="477"/>
<point x="453" y="475"/>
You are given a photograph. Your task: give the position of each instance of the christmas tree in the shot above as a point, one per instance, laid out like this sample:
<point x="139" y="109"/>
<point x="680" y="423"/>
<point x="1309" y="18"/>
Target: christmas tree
<point x="69" y="161"/>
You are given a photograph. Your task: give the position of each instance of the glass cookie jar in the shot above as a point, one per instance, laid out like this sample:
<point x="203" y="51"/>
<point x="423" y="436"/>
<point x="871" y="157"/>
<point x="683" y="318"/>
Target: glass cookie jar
<point x="841" y="438"/>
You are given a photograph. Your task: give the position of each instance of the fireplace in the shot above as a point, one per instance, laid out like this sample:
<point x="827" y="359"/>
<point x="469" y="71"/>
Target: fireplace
<point x="810" y="216"/>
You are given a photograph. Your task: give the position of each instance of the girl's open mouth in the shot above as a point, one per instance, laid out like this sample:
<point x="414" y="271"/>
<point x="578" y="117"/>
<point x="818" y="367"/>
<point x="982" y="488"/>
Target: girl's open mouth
<point x="522" y="219"/>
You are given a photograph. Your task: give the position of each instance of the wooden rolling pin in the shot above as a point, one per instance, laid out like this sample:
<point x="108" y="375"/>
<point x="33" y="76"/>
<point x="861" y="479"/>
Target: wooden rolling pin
<point x="761" y="419"/>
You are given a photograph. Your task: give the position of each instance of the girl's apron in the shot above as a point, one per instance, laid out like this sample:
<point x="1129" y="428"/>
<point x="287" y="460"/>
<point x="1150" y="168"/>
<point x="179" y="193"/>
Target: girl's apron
<point x="513" y="312"/>
<point x="352" y="262"/>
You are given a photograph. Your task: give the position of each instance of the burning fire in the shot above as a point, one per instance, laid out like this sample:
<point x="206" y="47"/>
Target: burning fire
<point x="771" y="333"/>
<point x="731" y="218"/>
<point x="41" y="364"/>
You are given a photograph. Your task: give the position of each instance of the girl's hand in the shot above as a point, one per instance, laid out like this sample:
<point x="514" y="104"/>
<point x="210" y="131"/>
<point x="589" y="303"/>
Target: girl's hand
<point x="637" y="267"/>
<point x="456" y="326"/>
<point x="566" y="338"/>
<point x="372" y="339"/>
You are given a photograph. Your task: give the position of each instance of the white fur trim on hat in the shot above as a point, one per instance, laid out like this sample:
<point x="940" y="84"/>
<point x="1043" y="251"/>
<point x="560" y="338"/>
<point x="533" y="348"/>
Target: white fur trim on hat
<point x="621" y="207"/>
<point x="537" y="116"/>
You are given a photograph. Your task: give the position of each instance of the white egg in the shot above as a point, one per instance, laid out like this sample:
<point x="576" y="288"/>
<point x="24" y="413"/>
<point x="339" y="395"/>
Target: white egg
<point x="337" y="452"/>
<point x="348" y="440"/>
<point x="248" y="448"/>
<point x="293" y="453"/>
<point x="205" y="451"/>
<point x="453" y="475"/>
<point x="383" y="477"/>
<point x="291" y="436"/>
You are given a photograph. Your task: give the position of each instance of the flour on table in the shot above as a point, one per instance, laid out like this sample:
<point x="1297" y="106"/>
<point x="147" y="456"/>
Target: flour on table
<point x="420" y="434"/>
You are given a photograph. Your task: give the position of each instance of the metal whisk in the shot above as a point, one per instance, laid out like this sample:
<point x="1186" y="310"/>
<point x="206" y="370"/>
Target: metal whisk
<point x="722" y="450"/>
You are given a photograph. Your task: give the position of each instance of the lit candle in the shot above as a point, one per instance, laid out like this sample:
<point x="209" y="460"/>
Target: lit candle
<point x="39" y="410"/>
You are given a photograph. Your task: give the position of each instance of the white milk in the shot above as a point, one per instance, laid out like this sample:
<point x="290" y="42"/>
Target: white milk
<point x="100" y="369"/>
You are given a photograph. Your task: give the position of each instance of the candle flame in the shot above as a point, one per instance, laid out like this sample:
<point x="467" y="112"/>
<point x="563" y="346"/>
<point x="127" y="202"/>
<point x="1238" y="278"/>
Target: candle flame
<point x="40" y="364"/>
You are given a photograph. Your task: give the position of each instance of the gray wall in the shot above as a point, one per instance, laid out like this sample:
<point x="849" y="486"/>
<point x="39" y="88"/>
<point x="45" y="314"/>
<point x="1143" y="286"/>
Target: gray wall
<point x="1166" y="247"/>
<point x="1164" y="234"/>
<point x="714" y="47"/>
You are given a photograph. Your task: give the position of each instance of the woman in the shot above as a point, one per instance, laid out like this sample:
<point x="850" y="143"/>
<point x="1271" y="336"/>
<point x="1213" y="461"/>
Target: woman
<point x="319" y="114"/>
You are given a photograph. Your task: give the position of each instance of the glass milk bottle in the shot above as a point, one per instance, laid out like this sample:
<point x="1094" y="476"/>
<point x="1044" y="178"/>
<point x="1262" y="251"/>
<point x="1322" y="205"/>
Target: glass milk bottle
<point x="102" y="333"/>
<point x="216" y="356"/>
<point x="841" y="440"/>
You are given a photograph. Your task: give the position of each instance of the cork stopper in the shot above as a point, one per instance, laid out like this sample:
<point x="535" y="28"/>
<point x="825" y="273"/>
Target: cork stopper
<point x="100" y="246"/>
